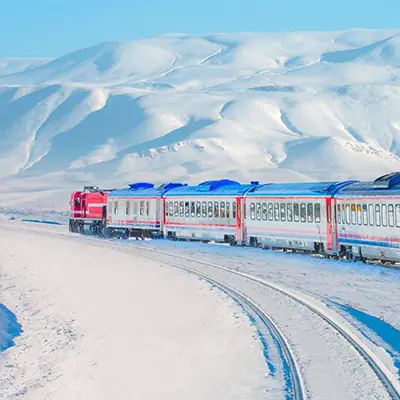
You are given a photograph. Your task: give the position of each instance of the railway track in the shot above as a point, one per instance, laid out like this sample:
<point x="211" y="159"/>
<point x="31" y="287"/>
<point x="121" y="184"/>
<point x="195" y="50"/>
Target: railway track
<point x="385" y="376"/>
<point x="296" y="389"/>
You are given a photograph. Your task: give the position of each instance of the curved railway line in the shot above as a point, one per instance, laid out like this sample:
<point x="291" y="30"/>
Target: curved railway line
<point x="385" y="376"/>
<point x="296" y="383"/>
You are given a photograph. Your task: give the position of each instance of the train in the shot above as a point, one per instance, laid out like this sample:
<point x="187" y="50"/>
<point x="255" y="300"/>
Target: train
<point x="349" y="219"/>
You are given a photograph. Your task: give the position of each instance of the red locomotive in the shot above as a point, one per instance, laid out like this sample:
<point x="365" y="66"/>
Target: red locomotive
<point x="88" y="210"/>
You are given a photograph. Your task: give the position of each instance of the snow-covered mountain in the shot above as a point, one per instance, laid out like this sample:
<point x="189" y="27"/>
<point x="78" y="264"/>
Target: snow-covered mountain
<point x="271" y="107"/>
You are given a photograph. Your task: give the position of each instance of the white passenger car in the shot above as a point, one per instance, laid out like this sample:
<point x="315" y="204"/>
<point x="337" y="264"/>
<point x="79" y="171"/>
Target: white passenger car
<point x="297" y="216"/>
<point x="212" y="210"/>
<point x="138" y="210"/>
<point x="368" y="219"/>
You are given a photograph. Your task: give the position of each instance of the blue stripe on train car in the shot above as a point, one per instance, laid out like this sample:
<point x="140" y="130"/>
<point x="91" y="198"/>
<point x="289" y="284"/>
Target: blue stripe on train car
<point x="368" y="243"/>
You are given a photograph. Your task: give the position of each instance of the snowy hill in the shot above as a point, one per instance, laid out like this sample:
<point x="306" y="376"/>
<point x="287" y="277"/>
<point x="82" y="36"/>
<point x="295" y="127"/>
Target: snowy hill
<point x="272" y="107"/>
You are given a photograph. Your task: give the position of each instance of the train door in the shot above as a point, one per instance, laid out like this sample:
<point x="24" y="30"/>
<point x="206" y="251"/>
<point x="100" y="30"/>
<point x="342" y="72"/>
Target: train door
<point x="240" y="220"/>
<point x="160" y="213"/>
<point x="335" y="239"/>
<point x="331" y="227"/>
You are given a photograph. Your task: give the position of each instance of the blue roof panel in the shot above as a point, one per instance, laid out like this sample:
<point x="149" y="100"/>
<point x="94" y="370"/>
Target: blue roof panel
<point x="223" y="187"/>
<point x="299" y="189"/>
<point x="141" y="185"/>
<point x="369" y="189"/>
<point x="144" y="189"/>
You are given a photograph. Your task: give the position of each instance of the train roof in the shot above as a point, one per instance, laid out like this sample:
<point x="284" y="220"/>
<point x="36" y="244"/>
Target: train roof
<point x="299" y="189"/>
<point x="222" y="187"/>
<point x="144" y="189"/>
<point x="386" y="185"/>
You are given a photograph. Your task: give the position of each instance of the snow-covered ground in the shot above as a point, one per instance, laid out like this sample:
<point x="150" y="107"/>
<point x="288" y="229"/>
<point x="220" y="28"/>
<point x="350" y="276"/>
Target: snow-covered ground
<point x="100" y="324"/>
<point x="38" y="291"/>
<point x="367" y="295"/>
<point x="255" y="106"/>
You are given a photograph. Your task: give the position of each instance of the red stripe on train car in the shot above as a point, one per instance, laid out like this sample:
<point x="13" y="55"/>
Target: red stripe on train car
<point x="283" y="230"/>
<point x="171" y="223"/>
<point x="128" y="221"/>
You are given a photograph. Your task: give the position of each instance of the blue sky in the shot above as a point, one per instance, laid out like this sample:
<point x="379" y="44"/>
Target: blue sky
<point x="56" y="27"/>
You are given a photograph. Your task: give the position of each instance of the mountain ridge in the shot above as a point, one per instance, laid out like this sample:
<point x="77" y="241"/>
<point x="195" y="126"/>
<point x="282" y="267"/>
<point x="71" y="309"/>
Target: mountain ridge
<point x="265" y="106"/>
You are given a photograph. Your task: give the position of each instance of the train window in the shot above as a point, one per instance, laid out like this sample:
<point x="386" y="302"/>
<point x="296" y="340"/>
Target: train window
<point x="384" y="215"/>
<point x="391" y="214"/>
<point x="181" y="209"/>
<point x="296" y="212"/>
<point x="222" y="209"/>
<point x="270" y="211"/>
<point x="192" y="209"/>
<point x="359" y="214"/>
<point x="187" y="208"/>
<point x="371" y="215"/>
<point x="216" y="209"/>
<point x="252" y="211"/>
<point x="135" y="207"/>
<point x="283" y="212"/>
<point x="115" y="207"/>
<point x="110" y="208"/>
<point x="303" y="212"/>
<point x="353" y="214"/>
<point x="147" y="208"/>
<point x="276" y="211"/>
<point x="210" y="210"/>
<point x="233" y="210"/>
<point x="339" y="214"/>
<point x="398" y="215"/>
<point x="310" y="212"/>
<point x="317" y="212"/>
<point x="204" y="209"/>
<point x="198" y="209"/>
<point x="348" y="214"/>
<point x="176" y="208"/>
<point x="265" y="211"/>
<point x="365" y="214"/>
<point x="127" y="207"/>
<point x="258" y="211"/>
<point x="141" y="208"/>
<point x="377" y="215"/>
<point x="289" y="209"/>
<point x="228" y="213"/>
